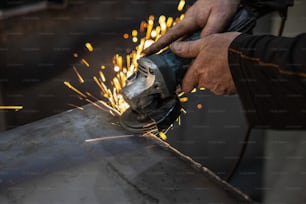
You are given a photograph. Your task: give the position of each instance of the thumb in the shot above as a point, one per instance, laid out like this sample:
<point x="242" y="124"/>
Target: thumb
<point x="186" y="49"/>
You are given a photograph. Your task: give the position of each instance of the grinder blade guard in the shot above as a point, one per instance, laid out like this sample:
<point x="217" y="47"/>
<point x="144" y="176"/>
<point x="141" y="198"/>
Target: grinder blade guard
<point x="150" y="91"/>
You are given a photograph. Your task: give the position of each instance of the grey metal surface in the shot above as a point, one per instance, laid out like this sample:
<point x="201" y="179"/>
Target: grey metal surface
<point x="49" y="161"/>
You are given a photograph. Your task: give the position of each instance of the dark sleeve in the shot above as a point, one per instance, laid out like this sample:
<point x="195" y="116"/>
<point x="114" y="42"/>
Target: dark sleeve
<point x="270" y="4"/>
<point x="270" y="76"/>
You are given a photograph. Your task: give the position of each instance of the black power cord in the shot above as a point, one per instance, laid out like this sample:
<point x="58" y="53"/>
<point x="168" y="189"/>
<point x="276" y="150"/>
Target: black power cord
<point x="241" y="154"/>
<point x="283" y="15"/>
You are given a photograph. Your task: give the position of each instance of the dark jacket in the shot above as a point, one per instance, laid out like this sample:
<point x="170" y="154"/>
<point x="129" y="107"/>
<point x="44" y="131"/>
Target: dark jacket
<point x="270" y="77"/>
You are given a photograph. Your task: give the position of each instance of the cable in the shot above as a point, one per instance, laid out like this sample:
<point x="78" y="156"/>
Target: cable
<point x="283" y="15"/>
<point x="241" y="154"/>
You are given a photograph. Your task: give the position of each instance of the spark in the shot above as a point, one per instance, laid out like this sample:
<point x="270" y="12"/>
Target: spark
<point x="183" y="111"/>
<point x="108" y="138"/>
<point x="11" y="108"/>
<point x="182" y="16"/>
<point x="83" y="61"/>
<point x="74" y="89"/>
<point x="199" y="106"/>
<point x="161" y="19"/>
<point x="117" y="84"/>
<point x="181" y="94"/>
<point x="102" y="76"/>
<point x="134" y="33"/>
<point x="148" y="43"/>
<point x="89" y="47"/>
<point x="103" y="88"/>
<point x="178" y="120"/>
<point x="125" y="36"/>
<point x="181" y="5"/>
<point x="150" y="27"/>
<point x="169" y="22"/>
<point x="95" y="104"/>
<point x="75" y="106"/>
<point x="153" y="34"/>
<point x="183" y="100"/>
<point x="81" y="80"/>
<point x="135" y="39"/>
<point x="116" y="68"/>
<point x="163" y="135"/>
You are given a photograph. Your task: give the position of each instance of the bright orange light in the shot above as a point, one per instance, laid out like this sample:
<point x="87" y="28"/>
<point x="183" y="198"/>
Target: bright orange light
<point x="83" y="61"/>
<point x="184" y="99"/>
<point x="199" y="106"/>
<point x="125" y="36"/>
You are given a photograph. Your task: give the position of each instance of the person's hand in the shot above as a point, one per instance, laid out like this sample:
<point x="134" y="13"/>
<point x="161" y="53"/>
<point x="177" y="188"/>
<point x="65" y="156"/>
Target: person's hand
<point x="210" y="69"/>
<point x="210" y="15"/>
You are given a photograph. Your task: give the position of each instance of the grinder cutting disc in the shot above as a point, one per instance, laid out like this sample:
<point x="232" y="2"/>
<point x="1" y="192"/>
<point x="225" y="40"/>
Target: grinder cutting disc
<point x="129" y="120"/>
<point x="158" y="118"/>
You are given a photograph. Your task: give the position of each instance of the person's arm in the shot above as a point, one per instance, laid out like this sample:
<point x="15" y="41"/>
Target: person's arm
<point x="270" y="77"/>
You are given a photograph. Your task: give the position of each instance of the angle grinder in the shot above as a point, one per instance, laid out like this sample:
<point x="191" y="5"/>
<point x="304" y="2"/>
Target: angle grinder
<point x="150" y="91"/>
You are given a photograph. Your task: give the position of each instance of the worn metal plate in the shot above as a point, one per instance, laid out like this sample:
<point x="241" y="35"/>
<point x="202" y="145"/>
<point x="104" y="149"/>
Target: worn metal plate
<point x="54" y="161"/>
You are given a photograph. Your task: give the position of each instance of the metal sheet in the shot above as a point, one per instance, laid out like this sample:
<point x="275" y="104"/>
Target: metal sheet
<point x="54" y="161"/>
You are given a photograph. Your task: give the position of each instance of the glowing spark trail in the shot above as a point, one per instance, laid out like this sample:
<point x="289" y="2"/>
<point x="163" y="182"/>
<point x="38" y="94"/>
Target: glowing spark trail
<point x="83" y="61"/>
<point x="108" y="138"/>
<point x="74" y="89"/>
<point x="75" y="106"/>
<point x="11" y="107"/>
<point x="78" y="75"/>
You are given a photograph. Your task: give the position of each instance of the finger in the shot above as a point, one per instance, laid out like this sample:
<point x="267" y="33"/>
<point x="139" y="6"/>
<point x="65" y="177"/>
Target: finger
<point x="215" y="24"/>
<point x="186" y="49"/>
<point x="186" y="26"/>
<point x="190" y="80"/>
